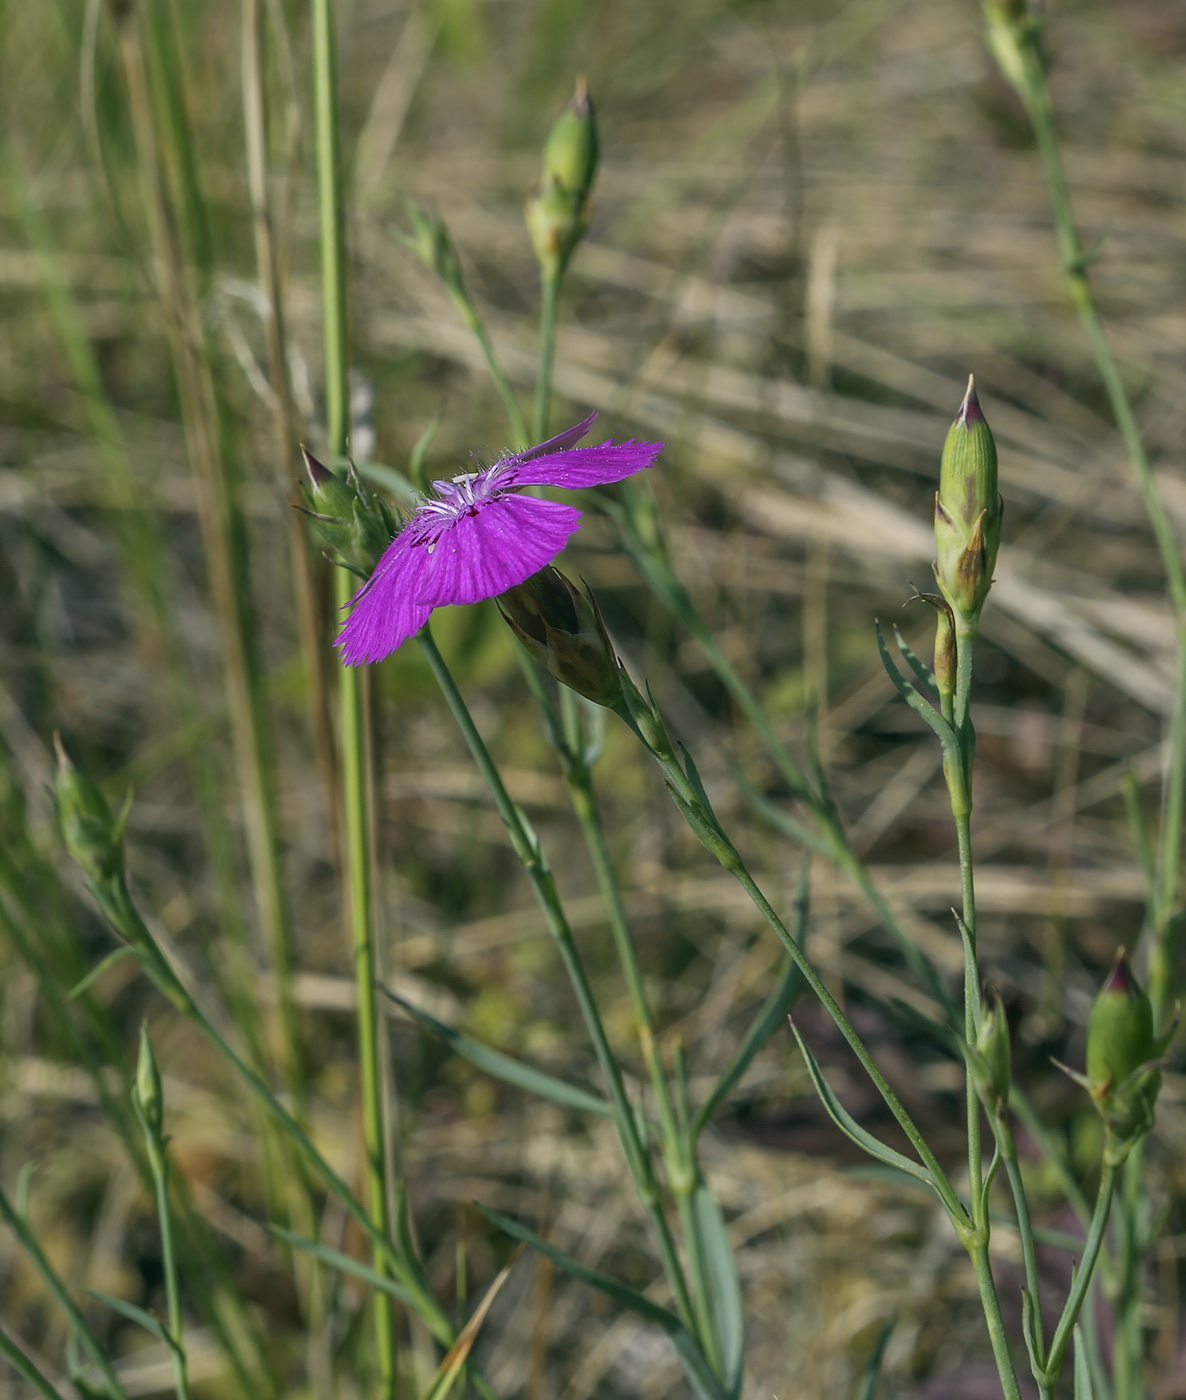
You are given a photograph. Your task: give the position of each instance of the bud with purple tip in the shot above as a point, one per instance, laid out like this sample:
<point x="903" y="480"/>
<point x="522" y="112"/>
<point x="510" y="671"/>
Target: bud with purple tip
<point x="967" y="513"/>
<point x="1123" y="1059"/>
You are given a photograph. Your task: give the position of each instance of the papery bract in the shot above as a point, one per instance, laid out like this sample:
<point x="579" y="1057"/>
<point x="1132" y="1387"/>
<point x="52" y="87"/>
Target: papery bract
<point x="477" y="535"/>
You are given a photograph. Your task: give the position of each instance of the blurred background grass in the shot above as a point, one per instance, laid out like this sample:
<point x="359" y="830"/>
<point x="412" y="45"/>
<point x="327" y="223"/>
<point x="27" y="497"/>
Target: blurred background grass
<point x="812" y="221"/>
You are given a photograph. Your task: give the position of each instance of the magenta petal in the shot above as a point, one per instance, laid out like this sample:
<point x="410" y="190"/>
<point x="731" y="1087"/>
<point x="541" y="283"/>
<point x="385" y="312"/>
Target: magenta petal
<point x="587" y="466"/>
<point x="384" y="612"/>
<point x="492" y="548"/>
<point x="568" y="438"/>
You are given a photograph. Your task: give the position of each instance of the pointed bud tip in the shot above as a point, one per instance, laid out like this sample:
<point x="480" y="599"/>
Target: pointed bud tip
<point x="1120" y="979"/>
<point x="970" y="412"/>
<point x="64" y="764"/>
<point x="318" y="474"/>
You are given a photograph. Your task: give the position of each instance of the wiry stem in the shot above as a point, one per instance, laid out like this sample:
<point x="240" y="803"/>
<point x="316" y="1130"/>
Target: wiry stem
<point x="355" y="769"/>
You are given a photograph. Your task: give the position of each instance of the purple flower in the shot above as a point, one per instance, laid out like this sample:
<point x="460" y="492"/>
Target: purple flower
<point x="477" y="535"/>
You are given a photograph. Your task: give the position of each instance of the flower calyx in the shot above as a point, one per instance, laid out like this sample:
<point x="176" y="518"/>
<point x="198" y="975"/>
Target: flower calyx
<point x="967" y="513"/>
<point x="561" y="626"/>
<point x="355" y="523"/>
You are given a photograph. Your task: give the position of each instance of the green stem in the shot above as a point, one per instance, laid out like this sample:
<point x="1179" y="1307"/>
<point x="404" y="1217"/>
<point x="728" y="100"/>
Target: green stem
<point x="1026" y="1230"/>
<point x="20" y="1362"/>
<point x="1128" y="1346"/>
<point x="996" y="1326"/>
<point x="731" y="861"/>
<point x="1095" y="1238"/>
<point x="543" y="883"/>
<point x="160" y="1179"/>
<point x="650" y="555"/>
<point x="678" y="1149"/>
<point x="355" y="766"/>
<point x="550" y="289"/>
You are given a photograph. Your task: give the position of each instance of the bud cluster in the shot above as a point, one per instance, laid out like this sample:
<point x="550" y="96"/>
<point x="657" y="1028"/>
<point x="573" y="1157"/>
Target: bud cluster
<point x="967" y="513"/>
<point x="352" y="520"/>
<point x="558" y="212"/>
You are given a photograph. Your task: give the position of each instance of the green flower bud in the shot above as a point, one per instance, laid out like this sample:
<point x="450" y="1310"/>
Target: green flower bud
<point x="558" y="212"/>
<point x="431" y="243"/>
<point x="1123" y="1074"/>
<point x="352" y="520"/>
<point x="993" y="1072"/>
<point x="1120" y="1029"/>
<point x="93" y="836"/>
<point x="967" y="512"/>
<point x="561" y="626"/>
<point x="147" y="1090"/>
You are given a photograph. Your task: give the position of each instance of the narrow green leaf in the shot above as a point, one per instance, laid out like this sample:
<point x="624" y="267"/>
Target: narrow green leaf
<point x="390" y="479"/>
<point x="924" y="673"/>
<point x="851" y="1128"/>
<point x="152" y="1325"/>
<point x="871" y="1375"/>
<point x="691" y="1358"/>
<point x="780" y="1001"/>
<point x="96" y="972"/>
<point x="726" y="1290"/>
<point x="915" y="700"/>
<point x="510" y="1071"/>
<point x="343" y="1262"/>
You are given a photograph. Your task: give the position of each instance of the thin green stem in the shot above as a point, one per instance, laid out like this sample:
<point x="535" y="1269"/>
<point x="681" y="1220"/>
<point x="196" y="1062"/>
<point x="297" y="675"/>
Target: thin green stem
<point x="355" y="765"/>
<point x="731" y="861"/>
<point x="1028" y="1253"/>
<point x="996" y="1325"/>
<point x="160" y="1179"/>
<point x="549" y="309"/>
<point x="543" y="883"/>
<point x="647" y="549"/>
<point x="1128" y="1345"/>
<point x="1095" y="1238"/>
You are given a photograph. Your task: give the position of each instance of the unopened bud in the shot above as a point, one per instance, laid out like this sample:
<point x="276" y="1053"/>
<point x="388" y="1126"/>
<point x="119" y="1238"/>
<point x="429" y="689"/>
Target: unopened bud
<point x="967" y="512"/>
<point x="352" y="520"/>
<point x="561" y="626"/>
<point x="993" y="1069"/>
<point x="558" y="212"/>
<point x="149" y="1097"/>
<point x="1123" y="1072"/>
<point x="431" y="243"/>
<point x="94" y="837"/>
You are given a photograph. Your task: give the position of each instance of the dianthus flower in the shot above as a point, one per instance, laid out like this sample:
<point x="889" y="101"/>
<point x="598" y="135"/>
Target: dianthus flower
<point x="477" y="535"/>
